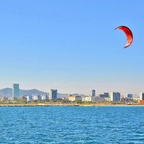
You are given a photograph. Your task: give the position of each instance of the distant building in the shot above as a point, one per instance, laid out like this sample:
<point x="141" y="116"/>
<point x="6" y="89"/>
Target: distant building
<point x="129" y="95"/>
<point x="13" y="98"/>
<point x="98" y="99"/>
<point x="141" y="96"/>
<point x="36" y="97"/>
<point x="15" y="90"/>
<point x="52" y="94"/>
<point x="93" y="93"/>
<point x="44" y="97"/>
<point x="125" y="99"/>
<point x="141" y="101"/>
<point x="105" y="95"/>
<point x="39" y="97"/>
<point x="29" y="98"/>
<point x="74" y="98"/>
<point x="4" y="98"/>
<point x="136" y="99"/>
<point x="88" y="98"/>
<point x="107" y="99"/>
<point x="115" y="96"/>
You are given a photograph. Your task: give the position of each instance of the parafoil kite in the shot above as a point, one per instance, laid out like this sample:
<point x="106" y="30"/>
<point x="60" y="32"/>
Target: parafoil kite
<point x="128" y="33"/>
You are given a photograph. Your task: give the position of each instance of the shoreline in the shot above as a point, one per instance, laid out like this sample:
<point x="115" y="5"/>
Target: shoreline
<point x="84" y="105"/>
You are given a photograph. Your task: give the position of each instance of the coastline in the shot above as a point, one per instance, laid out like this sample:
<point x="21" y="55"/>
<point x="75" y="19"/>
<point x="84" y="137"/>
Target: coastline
<point x="82" y="105"/>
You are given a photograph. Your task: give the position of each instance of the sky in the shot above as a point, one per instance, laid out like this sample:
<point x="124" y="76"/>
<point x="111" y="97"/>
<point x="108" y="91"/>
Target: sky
<point x="71" y="45"/>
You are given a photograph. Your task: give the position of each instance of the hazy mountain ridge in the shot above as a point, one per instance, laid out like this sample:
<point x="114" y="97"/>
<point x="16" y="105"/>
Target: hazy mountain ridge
<point x="32" y="91"/>
<point x="8" y="92"/>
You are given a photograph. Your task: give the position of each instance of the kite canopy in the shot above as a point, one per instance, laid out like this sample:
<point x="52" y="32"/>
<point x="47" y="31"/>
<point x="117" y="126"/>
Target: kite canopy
<point x="128" y="33"/>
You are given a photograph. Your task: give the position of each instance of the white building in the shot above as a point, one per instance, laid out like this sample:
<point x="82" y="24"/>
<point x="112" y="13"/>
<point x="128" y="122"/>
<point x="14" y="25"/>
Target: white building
<point x="108" y="99"/>
<point x="29" y="98"/>
<point x="92" y="99"/>
<point x="115" y="96"/>
<point x="136" y="99"/>
<point x="74" y="98"/>
<point x="141" y="96"/>
<point x="36" y="97"/>
<point x="44" y="97"/>
<point x="88" y="98"/>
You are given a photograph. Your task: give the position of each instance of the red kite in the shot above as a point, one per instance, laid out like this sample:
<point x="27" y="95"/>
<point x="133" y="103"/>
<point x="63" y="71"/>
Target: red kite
<point x="128" y="33"/>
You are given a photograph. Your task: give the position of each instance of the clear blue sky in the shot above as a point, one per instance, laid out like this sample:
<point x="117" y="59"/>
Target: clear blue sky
<point x="71" y="45"/>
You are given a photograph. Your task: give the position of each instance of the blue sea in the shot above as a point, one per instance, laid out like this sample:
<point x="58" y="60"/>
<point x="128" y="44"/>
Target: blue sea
<point x="72" y="125"/>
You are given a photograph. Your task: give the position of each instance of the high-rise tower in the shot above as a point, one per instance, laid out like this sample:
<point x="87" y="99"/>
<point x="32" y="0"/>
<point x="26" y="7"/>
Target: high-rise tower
<point x="15" y="91"/>
<point x="52" y="94"/>
<point x="93" y="92"/>
<point x="115" y="96"/>
<point x="141" y="96"/>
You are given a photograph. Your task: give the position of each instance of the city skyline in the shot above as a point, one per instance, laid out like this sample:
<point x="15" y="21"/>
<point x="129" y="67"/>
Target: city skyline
<point x="49" y="91"/>
<point x="71" y="46"/>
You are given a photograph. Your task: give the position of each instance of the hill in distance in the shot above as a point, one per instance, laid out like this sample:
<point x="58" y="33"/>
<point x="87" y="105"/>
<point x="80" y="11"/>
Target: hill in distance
<point x="8" y="92"/>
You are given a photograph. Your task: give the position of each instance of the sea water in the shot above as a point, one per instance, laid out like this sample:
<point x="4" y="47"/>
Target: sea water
<point x="72" y="125"/>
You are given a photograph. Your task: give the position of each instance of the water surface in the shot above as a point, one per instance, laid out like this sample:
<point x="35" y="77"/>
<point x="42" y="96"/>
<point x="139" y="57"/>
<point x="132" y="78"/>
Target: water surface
<point x="72" y="125"/>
